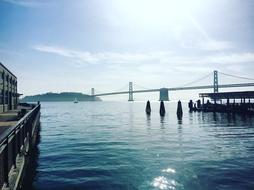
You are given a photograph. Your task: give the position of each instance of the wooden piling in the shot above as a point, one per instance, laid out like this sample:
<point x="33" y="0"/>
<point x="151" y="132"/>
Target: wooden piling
<point x="148" y="107"/>
<point x="179" y="111"/>
<point x="162" y="109"/>
<point x="190" y="105"/>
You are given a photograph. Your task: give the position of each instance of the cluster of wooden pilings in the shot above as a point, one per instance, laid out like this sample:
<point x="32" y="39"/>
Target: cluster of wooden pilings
<point x="162" y="110"/>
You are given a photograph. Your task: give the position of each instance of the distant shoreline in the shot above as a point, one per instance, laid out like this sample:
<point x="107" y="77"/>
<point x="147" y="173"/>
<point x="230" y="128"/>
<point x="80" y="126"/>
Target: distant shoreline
<point x="60" y="97"/>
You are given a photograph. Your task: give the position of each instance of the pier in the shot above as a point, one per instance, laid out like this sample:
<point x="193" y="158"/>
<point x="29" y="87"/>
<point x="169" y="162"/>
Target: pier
<point x="19" y="128"/>
<point x="240" y="102"/>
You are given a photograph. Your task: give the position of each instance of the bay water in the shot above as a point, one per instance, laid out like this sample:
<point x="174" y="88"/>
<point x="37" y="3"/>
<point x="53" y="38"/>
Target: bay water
<point x="115" y="145"/>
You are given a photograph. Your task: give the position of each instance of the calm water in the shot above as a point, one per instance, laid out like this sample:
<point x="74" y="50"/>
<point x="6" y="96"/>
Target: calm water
<point x="114" y="145"/>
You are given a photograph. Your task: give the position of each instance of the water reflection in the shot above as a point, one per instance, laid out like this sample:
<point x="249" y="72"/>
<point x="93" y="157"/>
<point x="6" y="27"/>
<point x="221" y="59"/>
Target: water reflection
<point x="215" y="118"/>
<point x="148" y="120"/>
<point x="113" y="157"/>
<point x="169" y="170"/>
<point x="180" y="120"/>
<point x="162" y="182"/>
<point x="131" y="114"/>
<point x="31" y="171"/>
<point x="162" y="122"/>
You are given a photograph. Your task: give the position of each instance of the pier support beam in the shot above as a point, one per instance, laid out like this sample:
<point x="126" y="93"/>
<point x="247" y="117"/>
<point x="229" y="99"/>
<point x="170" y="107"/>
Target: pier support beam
<point x="164" y="94"/>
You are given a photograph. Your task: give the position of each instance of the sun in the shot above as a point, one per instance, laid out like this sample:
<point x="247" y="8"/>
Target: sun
<point x="157" y="12"/>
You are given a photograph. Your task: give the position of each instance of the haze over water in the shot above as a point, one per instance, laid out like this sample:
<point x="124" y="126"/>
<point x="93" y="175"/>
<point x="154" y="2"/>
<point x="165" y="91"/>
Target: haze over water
<point x="115" y="145"/>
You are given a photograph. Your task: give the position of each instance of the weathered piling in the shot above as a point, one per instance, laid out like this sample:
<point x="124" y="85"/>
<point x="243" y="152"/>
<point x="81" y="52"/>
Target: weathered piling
<point x="191" y="105"/>
<point x="199" y="104"/>
<point x="148" y="107"/>
<point x="162" y="109"/>
<point x="195" y="107"/>
<point x="179" y="111"/>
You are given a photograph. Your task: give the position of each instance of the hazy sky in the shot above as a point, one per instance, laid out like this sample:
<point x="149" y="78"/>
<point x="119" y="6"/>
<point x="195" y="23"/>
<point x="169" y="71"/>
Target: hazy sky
<point x="72" y="45"/>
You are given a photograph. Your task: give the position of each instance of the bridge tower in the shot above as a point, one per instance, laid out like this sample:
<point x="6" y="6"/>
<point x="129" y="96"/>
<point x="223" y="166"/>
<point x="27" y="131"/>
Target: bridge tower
<point x="215" y="82"/>
<point x="130" y="92"/>
<point x="164" y="94"/>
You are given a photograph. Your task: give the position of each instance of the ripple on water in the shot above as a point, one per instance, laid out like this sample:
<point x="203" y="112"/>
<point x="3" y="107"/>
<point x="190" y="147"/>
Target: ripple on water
<point x="169" y="170"/>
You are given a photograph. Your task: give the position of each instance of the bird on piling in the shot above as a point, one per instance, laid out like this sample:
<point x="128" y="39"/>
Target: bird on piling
<point x="148" y="107"/>
<point x="162" y="109"/>
<point x="179" y="111"/>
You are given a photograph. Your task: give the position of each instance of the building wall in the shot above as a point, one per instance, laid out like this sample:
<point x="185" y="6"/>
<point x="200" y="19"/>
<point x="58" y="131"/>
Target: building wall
<point x="8" y="90"/>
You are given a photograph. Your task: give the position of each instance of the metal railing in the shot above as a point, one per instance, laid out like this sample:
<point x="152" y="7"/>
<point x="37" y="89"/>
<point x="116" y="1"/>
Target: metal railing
<point x="13" y="141"/>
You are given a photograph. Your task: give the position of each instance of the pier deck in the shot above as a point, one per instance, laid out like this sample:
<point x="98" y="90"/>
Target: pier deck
<point x="19" y="130"/>
<point x="10" y="118"/>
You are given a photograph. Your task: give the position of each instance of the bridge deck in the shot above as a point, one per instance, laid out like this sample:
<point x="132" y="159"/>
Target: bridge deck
<point x="229" y="95"/>
<point x="180" y="88"/>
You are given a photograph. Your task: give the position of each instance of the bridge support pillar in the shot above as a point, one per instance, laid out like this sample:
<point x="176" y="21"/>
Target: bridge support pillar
<point x="164" y="94"/>
<point x="215" y="85"/>
<point x="92" y="91"/>
<point x="130" y="92"/>
<point x="92" y="94"/>
<point x="215" y="82"/>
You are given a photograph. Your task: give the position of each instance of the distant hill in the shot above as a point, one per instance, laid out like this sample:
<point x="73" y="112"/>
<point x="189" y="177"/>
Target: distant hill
<point x="59" y="97"/>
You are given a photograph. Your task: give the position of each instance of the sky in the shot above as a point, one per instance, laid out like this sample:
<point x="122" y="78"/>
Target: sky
<point x="63" y="46"/>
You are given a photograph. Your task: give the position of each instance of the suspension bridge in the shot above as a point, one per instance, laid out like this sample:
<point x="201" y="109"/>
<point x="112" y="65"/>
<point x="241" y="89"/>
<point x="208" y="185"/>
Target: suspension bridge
<point x="163" y="92"/>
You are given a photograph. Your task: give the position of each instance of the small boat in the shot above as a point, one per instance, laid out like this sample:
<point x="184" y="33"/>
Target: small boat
<point x="75" y="101"/>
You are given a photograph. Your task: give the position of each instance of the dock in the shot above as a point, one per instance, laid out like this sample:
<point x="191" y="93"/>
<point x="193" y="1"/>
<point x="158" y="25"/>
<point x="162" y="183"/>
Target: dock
<point x="234" y="102"/>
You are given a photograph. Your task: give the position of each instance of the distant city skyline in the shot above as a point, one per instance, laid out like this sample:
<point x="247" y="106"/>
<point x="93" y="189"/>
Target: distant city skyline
<point x="63" y="46"/>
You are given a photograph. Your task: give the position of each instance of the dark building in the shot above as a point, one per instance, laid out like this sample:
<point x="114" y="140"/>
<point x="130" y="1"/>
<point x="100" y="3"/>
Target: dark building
<point x="8" y="90"/>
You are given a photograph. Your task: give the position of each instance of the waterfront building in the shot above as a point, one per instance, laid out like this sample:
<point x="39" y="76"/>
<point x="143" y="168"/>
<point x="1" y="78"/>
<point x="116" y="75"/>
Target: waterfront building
<point x="8" y="89"/>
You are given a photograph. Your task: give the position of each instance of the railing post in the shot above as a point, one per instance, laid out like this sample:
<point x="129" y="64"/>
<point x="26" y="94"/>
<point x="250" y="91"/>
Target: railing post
<point x="18" y="140"/>
<point x="23" y="132"/>
<point x="3" y="75"/>
<point x="6" y="164"/>
<point x="14" y="149"/>
<point x="30" y="130"/>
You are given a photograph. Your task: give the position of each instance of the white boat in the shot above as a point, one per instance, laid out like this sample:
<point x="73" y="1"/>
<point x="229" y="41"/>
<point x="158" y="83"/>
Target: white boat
<point x="75" y="101"/>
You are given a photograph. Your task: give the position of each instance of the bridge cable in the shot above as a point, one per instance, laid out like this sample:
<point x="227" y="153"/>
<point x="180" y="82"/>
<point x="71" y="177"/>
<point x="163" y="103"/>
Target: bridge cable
<point x="142" y="87"/>
<point x="197" y="80"/>
<point x="230" y="75"/>
<point x="124" y="88"/>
